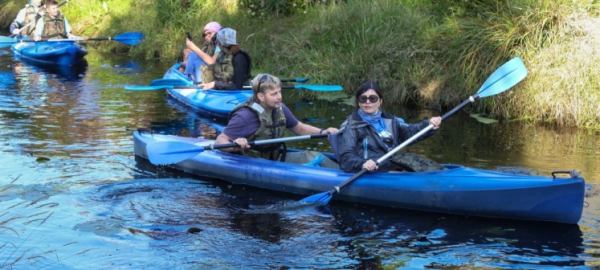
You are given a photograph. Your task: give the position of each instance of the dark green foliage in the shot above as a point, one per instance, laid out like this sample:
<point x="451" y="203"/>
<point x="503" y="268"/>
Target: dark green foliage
<point x="277" y="8"/>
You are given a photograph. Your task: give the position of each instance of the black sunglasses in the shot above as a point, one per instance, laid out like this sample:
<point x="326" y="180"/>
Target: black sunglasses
<point x="363" y="99"/>
<point x="204" y="34"/>
<point x="262" y="80"/>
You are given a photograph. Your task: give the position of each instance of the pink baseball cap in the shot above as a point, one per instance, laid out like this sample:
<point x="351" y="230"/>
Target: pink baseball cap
<point x="214" y="26"/>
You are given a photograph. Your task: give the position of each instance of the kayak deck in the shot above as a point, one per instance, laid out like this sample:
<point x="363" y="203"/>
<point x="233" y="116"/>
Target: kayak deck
<point x="212" y="103"/>
<point x="63" y="53"/>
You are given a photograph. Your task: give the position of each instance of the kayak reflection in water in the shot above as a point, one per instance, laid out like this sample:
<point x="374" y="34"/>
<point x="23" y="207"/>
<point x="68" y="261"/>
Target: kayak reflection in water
<point x="369" y="133"/>
<point x="264" y="116"/>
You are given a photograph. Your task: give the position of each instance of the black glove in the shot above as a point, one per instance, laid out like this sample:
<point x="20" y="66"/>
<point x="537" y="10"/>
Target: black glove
<point x="16" y="25"/>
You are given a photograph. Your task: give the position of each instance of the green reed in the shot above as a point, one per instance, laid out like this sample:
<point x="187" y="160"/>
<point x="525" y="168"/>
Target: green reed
<point x="14" y="220"/>
<point x="9" y="10"/>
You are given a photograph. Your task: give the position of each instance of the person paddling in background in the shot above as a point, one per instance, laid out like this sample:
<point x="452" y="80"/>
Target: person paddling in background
<point x="232" y="66"/>
<point x="369" y="133"/>
<point x="28" y="17"/>
<point x="196" y="69"/>
<point x="53" y="25"/>
<point x="264" y="116"/>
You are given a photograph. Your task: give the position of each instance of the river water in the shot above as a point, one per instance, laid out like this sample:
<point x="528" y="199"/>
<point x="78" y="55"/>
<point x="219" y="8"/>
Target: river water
<point x="74" y="196"/>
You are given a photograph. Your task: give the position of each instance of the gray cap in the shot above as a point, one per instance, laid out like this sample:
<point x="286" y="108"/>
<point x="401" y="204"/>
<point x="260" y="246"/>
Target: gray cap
<point x="226" y="37"/>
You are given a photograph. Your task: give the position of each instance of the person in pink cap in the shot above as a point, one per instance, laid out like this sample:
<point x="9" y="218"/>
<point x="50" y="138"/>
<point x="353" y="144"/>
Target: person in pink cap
<point x="195" y="67"/>
<point x="232" y="66"/>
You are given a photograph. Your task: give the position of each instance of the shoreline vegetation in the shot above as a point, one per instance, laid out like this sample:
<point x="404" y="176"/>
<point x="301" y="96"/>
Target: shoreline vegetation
<point x="425" y="54"/>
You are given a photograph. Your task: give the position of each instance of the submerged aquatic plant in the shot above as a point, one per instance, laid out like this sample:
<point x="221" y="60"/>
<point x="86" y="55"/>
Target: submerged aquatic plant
<point x="22" y="219"/>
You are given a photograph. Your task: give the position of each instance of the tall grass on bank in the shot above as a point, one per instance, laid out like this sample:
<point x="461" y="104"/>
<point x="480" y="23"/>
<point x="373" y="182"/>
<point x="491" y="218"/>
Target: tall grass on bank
<point x="426" y="53"/>
<point x="474" y="46"/>
<point x="164" y="23"/>
<point x="9" y="10"/>
<point x="563" y="87"/>
<point x="545" y="34"/>
<point x="351" y="43"/>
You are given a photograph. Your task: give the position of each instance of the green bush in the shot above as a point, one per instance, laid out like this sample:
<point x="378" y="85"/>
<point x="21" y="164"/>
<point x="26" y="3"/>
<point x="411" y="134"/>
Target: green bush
<point x="277" y="8"/>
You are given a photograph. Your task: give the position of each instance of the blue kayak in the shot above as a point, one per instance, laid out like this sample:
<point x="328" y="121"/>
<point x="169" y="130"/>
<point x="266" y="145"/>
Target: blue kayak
<point x="60" y="53"/>
<point x="456" y="190"/>
<point x="212" y="103"/>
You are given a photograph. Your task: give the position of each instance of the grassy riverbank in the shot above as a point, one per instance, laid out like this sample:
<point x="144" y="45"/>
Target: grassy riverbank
<point x="424" y="53"/>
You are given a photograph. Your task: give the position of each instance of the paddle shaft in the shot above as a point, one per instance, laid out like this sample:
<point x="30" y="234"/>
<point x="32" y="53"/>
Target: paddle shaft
<point x="301" y="80"/>
<point x="168" y="152"/>
<point x="125" y="38"/>
<point x="245" y="87"/>
<point x="425" y="130"/>
<point x="24" y="27"/>
<point x="68" y="40"/>
<point x="269" y="141"/>
<point x="311" y="87"/>
<point x="101" y="38"/>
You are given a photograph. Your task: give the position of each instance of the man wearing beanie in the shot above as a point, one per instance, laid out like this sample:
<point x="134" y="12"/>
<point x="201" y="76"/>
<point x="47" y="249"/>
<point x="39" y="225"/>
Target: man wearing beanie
<point x="232" y="66"/>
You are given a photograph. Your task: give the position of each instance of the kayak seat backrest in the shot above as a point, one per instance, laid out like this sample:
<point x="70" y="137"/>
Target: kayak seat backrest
<point x="335" y="140"/>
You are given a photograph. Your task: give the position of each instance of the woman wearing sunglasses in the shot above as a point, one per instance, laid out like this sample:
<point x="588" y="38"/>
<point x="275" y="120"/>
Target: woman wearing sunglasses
<point x="195" y="68"/>
<point x="232" y="66"/>
<point x="369" y="133"/>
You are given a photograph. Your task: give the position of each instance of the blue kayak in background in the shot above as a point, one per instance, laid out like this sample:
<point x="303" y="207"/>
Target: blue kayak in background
<point x="215" y="103"/>
<point x="60" y="53"/>
<point x="456" y="190"/>
<point x="211" y="103"/>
